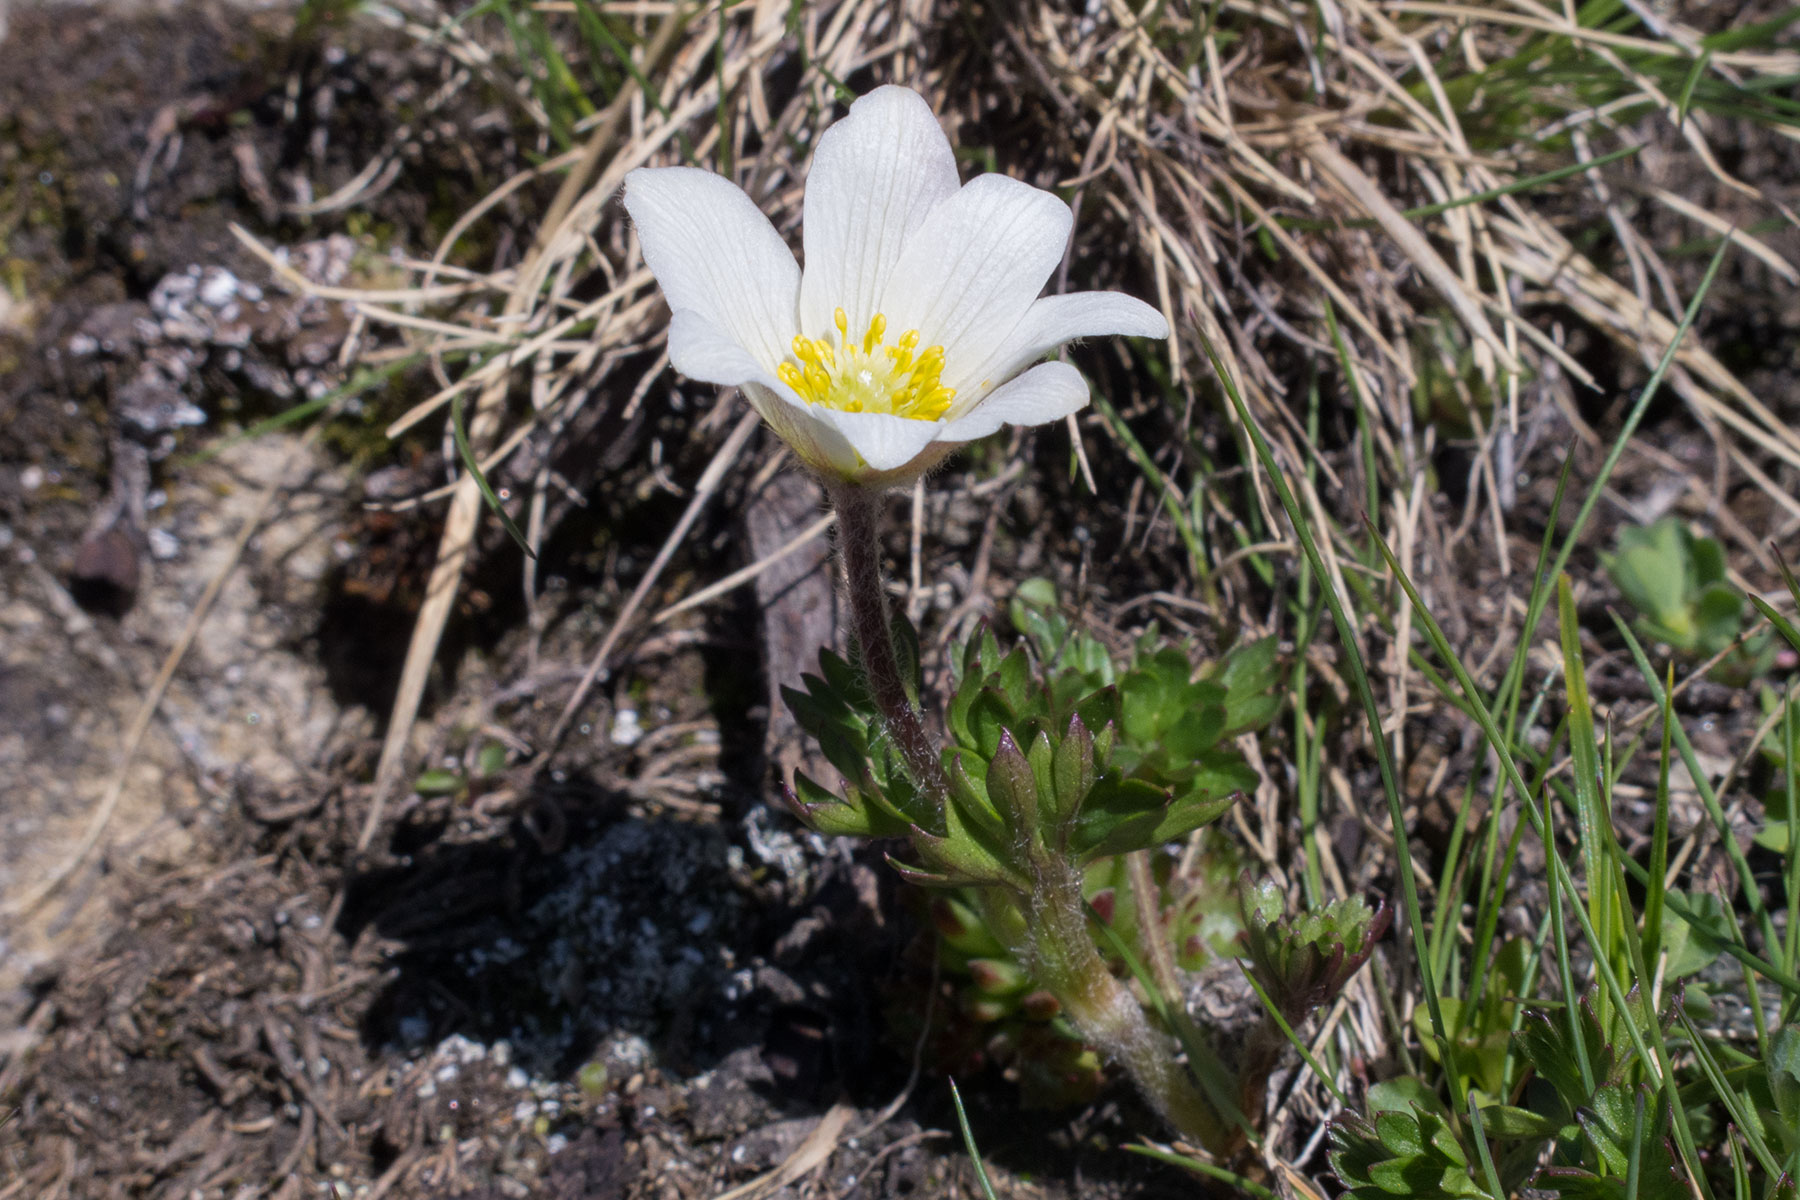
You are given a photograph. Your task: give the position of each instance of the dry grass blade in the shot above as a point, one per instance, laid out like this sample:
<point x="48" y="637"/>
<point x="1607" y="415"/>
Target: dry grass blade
<point x="807" y="1157"/>
<point x="466" y="503"/>
<point x="1412" y="243"/>
<point x="740" y="577"/>
<point x="709" y="482"/>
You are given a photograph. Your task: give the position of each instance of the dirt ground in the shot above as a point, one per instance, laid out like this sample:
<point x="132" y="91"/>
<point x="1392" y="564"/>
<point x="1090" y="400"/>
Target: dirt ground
<point x="622" y="976"/>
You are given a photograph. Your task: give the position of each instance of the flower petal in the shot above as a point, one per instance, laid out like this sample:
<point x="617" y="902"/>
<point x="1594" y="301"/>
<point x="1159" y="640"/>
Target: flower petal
<point x="884" y="441"/>
<point x="875" y="176"/>
<point x="970" y="272"/>
<point x="816" y="442"/>
<point x="1049" y="323"/>
<point x="714" y="253"/>
<point x="703" y="352"/>
<point x="1044" y="393"/>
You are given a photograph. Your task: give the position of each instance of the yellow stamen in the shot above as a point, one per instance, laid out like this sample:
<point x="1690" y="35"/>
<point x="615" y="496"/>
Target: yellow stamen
<point x="866" y="375"/>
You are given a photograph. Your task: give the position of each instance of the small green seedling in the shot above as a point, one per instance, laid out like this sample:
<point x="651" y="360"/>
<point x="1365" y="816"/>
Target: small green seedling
<point x="1677" y="583"/>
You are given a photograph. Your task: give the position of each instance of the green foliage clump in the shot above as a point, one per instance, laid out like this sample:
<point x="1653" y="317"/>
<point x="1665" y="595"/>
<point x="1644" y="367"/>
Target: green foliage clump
<point x="1303" y="960"/>
<point x="1585" y="1117"/>
<point x="1677" y="583"/>
<point x="1059" y="750"/>
<point x="1074" y="755"/>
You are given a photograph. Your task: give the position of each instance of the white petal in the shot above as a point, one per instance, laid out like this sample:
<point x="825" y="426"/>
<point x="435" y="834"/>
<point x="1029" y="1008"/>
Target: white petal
<point x="874" y="177"/>
<point x="814" y="441"/>
<point x="886" y="442"/>
<point x="702" y="351"/>
<point x="714" y="253"/>
<point x="1045" y="393"/>
<point x="1054" y="320"/>
<point x="970" y="272"/>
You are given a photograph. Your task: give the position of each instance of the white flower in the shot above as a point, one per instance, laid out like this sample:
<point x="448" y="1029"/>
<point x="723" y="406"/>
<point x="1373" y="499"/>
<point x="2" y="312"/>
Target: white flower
<point x="917" y="320"/>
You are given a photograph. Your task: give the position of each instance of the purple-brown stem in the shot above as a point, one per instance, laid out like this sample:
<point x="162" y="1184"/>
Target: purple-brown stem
<point x="859" y="545"/>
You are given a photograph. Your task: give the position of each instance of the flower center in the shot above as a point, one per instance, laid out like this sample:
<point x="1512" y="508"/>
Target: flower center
<point x="868" y="376"/>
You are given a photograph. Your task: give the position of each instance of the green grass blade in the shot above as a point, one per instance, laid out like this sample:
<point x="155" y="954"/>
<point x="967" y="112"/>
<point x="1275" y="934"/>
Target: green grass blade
<point x="1559" y="870"/>
<point x="1708" y="798"/>
<point x="1443" y="206"/>
<point x="1787" y="982"/>
<point x="1294" y="1040"/>
<point x="968" y="1137"/>
<point x="1734" y="1103"/>
<point x="1200" y="1167"/>
<point x="1634" y="1167"/>
<point x="1659" y="836"/>
<point x="1164" y="491"/>
<point x="473" y="467"/>
<point x="1782" y="625"/>
<point x="1489" y="1173"/>
<point x="1790" y="728"/>
<point x="1359" y="677"/>
<point x="1560" y="934"/>
<point x="1593" y="820"/>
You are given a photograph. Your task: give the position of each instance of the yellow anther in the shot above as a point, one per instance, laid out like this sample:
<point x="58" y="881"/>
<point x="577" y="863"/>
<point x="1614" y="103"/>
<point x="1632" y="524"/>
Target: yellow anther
<point x="867" y="375"/>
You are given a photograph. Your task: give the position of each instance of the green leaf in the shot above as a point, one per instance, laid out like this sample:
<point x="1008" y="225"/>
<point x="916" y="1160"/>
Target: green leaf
<point x="1708" y="559"/>
<point x="1015" y="680"/>
<point x="1012" y="786"/>
<point x="1355" y="1149"/>
<point x="1608" y="1122"/>
<point x="1654" y="570"/>
<point x="1784" y="1076"/>
<point x="1188" y="813"/>
<point x="1545" y="1042"/>
<point x="1040" y="756"/>
<point x="1120" y="815"/>
<point x="843" y="680"/>
<point x="1719" y="612"/>
<point x="1036" y="592"/>
<point x="906" y="651"/>
<point x="1253" y="692"/>
<point x="491" y="761"/>
<point x="1071" y="771"/>
<point x="965" y="854"/>
<point x="852" y="815"/>
<point x="1101" y="712"/>
<point x="970" y="794"/>
<point x="989" y="718"/>
<point x="438" y="782"/>
<point x="1399" y="1132"/>
<point x="1695" y="943"/>
<point x="1508" y="1123"/>
<point x="1401" y="1093"/>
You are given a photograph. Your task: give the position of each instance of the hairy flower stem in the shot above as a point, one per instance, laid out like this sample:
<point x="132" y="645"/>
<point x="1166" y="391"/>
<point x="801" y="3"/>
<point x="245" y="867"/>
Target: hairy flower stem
<point x="1049" y="924"/>
<point x="1262" y="1054"/>
<point x="859" y="524"/>
<point x="1051" y="929"/>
